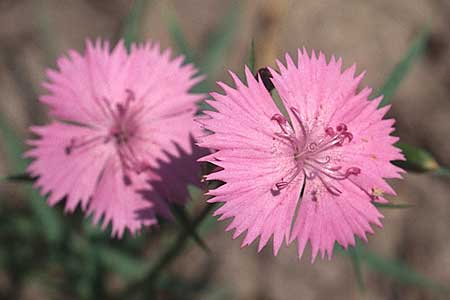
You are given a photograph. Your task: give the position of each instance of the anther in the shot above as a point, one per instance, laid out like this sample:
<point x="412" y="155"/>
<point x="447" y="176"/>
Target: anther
<point x="341" y="127"/>
<point x="121" y="109"/>
<point x="126" y="180"/>
<point x="130" y="95"/>
<point x="314" y="196"/>
<point x="329" y="131"/>
<point x="281" y="185"/>
<point x="68" y="149"/>
<point x="352" y="171"/>
<point x="283" y="123"/>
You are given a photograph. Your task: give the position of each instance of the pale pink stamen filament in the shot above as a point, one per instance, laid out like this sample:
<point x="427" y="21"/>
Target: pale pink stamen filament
<point x="122" y="130"/>
<point x="309" y="155"/>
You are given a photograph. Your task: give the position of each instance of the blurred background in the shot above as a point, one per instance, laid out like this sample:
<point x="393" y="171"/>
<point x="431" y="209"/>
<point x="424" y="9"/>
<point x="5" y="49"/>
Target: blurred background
<point x="45" y="254"/>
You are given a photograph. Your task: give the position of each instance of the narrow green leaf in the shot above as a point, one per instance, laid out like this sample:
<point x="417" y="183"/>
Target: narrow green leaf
<point x="442" y="172"/>
<point x="393" y="206"/>
<point x="177" y="35"/>
<point x="398" y="271"/>
<point x="220" y="41"/>
<point x="280" y="104"/>
<point x="402" y="68"/>
<point x="252" y="57"/>
<point x="417" y="159"/>
<point x="24" y="177"/>
<point x="355" y="256"/>
<point x="394" y="269"/>
<point x="167" y="257"/>
<point x="51" y="224"/>
<point x="186" y="225"/>
<point x="12" y="146"/>
<point x="132" y="22"/>
<point x="129" y="267"/>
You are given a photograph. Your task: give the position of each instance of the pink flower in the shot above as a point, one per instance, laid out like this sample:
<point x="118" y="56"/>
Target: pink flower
<point x="120" y="121"/>
<point x="330" y="159"/>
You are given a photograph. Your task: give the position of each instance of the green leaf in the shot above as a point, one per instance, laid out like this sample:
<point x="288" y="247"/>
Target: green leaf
<point x="355" y="256"/>
<point x="186" y="225"/>
<point x="280" y="104"/>
<point x="129" y="267"/>
<point x="417" y="159"/>
<point x="220" y="41"/>
<point x="177" y="35"/>
<point x="132" y="22"/>
<point x="441" y="171"/>
<point x="398" y="271"/>
<point x="50" y="222"/>
<point x="12" y="146"/>
<point x="402" y="68"/>
<point x="392" y="268"/>
<point x="393" y="206"/>
<point x="252" y="57"/>
<point x="166" y="258"/>
<point x="24" y="177"/>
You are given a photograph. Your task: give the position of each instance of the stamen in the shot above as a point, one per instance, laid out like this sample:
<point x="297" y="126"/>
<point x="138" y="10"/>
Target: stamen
<point x="123" y="108"/>
<point x="296" y="114"/>
<point x="77" y="143"/>
<point x="123" y="127"/>
<point x="285" y="182"/>
<point x="314" y="195"/>
<point x="311" y="175"/>
<point x="283" y="123"/>
<point x="341" y="128"/>
<point x="126" y="180"/>
<point x="321" y="161"/>
<point x="130" y="96"/>
<point x="308" y="155"/>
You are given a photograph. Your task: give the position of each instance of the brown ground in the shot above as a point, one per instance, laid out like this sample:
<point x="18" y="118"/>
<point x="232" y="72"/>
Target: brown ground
<point x="375" y="34"/>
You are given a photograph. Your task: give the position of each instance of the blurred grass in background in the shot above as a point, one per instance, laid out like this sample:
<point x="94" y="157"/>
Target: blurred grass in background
<point x="63" y="256"/>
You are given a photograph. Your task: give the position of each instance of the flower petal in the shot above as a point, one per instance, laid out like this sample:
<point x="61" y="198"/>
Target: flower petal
<point x="330" y="218"/>
<point x="73" y="175"/>
<point x="123" y="204"/>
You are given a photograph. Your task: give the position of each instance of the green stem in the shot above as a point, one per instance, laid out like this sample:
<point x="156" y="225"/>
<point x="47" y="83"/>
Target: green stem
<point x="167" y="257"/>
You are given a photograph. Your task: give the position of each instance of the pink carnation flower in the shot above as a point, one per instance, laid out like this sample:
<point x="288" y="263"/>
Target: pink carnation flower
<point x="121" y="122"/>
<point x="330" y="159"/>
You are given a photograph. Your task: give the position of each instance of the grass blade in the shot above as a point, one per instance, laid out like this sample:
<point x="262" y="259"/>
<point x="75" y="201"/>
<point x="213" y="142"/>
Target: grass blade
<point x="219" y="42"/>
<point x="186" y="225"/>
<point x="22" y="177"/>
<point x="402" y="68"/>
<point x="355" y="256"/>
<point x="129" y="267"/>
<point x="443" y="172"/>
<point x="12" y="146"/>
<point x="392" y="268"/>
<point x="167" y="257"/>
<point x="132" y="22"/>
<point x="252" y="57"/>
<point x="393" y="206"/>
<point x="417" y="159"/>
<point x="48" y="219"/>
<point x="398" y="271"/>
<point x="177" y="35"/>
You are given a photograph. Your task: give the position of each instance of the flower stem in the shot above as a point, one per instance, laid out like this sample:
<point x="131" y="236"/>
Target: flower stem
<point x="149" y="281"/>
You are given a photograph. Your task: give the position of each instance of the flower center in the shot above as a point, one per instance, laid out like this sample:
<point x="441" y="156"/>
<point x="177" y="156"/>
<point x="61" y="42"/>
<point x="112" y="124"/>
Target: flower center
<point x="121" y="133"/>
<point x="312" y="156"/>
